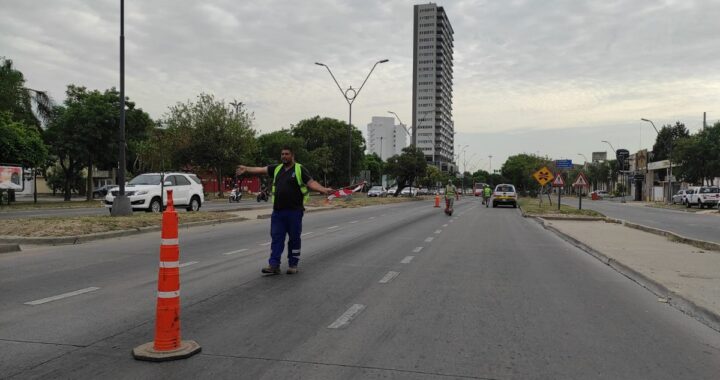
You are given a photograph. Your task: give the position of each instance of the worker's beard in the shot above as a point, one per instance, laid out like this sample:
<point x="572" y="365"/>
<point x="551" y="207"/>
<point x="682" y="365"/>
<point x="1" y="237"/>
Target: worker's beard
<point x="286" y="161"/>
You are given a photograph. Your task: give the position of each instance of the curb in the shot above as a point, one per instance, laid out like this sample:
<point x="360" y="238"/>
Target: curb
<point x="675" y="300"/>
<point x="8" y="248"/>
<point x="702" y="244"/>
<point x="79" y="239"/>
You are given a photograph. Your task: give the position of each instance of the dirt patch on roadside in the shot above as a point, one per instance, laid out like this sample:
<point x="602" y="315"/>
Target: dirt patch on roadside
<point x="82" y="225"/>
<point x="532" y="207"/>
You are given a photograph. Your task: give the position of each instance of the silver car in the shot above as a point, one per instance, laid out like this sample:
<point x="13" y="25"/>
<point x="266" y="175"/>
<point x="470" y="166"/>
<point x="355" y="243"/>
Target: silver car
<point x="377" y="191"/>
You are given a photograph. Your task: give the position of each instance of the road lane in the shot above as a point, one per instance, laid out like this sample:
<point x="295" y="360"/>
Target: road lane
<point x="493" y="296"/>
<point x="696" y="226"/>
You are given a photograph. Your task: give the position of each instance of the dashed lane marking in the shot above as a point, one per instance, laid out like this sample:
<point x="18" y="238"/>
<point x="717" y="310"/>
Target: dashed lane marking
<point x="353" y="222"/>
<point x="417" y="249"/>
<point x="389" y="277"/>
<point x="234" y="252"/>
<point x="266" y="243"/>
<point x="407" y="260"/>
<point x="61" y="296"/>
<point x="371" y="218"/>
<point x="445" y="225"/>
<point x="347" y="316"/>
<point x="333" y="227"/>
<point x="438" y="231"/>
<point x="307" y="233"/>
<point x="429" y="239"/>
<point x="187" y="264"/>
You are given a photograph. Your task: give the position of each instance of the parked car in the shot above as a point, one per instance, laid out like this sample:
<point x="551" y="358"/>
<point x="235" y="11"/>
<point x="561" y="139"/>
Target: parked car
<point x="680" y="197"/>
<point x="704" y="196"/>
<point x="504" y="194"/>
<point x="600" y="194"/>
<point x="391" y="191"/>
<point x="409" y="192"/>
<point x="145" y="191"/>
<point x="377" y="191"/>
<point x="423" y="191"/>
<point x="102" y="191"/>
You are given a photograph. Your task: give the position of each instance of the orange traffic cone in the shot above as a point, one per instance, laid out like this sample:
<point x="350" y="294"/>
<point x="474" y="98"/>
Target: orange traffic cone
<point x="167" y="344"/>
<point x="437" y="200"/>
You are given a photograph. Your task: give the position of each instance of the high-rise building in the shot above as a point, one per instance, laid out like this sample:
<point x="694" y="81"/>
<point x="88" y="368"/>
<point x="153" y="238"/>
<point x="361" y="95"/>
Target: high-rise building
<point x="432" y="85"/>
<point x="385" y="138"/>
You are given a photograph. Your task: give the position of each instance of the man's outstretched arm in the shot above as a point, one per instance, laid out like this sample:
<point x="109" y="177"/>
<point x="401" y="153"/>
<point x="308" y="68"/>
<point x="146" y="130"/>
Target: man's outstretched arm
<point x="241" y="169"/>
<point x="315" y="186"/>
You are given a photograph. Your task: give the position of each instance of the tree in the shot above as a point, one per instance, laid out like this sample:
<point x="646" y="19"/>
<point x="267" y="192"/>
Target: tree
<point x="518" y="170"/>
<point x="698" y="156"/>
<point x="212" y="134"/>
<point x="375" y="165"/>
<point x="270" y="144"/>
<point x="25" y="105"/>
<point x="333" y="134"/>
<point x="406" y="167"/>
<point x="20" y="144"/>
<point x="666" y="138"/>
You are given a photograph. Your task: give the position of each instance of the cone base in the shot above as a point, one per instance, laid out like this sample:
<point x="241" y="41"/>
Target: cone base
<point x="146" y="352"/>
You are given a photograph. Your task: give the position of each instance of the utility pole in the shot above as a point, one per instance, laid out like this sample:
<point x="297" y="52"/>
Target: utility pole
<point x="121" y="204"/>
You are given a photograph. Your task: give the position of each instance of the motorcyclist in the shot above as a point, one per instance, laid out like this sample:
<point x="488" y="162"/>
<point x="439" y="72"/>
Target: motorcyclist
<point x="487" y="193"/>
<point x="450" y="196"/>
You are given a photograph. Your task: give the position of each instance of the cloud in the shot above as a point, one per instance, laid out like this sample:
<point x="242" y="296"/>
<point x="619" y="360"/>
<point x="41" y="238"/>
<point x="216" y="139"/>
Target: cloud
<point x="519" y="65"/>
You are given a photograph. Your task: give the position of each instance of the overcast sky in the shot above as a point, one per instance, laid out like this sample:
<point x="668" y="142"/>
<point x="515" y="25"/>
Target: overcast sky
<point x="546" y="77"/>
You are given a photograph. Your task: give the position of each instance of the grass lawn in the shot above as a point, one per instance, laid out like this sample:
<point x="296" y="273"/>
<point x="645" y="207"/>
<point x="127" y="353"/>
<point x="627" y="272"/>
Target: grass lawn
<point x="28" y="205"/>
<point x="81" y="225"/>
<point x="532" y="206"/>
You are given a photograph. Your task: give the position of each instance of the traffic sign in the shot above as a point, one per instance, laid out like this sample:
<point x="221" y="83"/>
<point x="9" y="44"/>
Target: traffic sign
<point x="563" y="164"/>
<point x="581" y="181"/>
<point x="543" y="176"/>
<point x="558" y="181"/>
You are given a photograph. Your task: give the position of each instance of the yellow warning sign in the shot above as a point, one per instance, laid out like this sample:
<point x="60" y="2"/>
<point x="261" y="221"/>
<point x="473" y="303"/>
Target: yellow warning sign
<point x="543" y="176"/>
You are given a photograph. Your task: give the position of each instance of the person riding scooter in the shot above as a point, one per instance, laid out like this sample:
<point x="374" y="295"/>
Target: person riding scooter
<point x="263" y="195"/>
<point x="235" y="194"/>
<point x="450" y="196"/>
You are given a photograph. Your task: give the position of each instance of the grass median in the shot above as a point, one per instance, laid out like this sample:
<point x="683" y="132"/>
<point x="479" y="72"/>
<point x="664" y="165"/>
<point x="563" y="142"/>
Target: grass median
<point x="532" y="206"/>
<point x="82" y="225"/>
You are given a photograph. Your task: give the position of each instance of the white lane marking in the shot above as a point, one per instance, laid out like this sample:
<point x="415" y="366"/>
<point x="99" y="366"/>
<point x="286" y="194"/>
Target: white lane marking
<point x="347" y="316"/>
<point x="389" y="277"/>
<point x="429" y="239"/>
<point x="264" y="244"/>
<point x="451" y="221"/>
<point x="169" y="264"/>
<point x="187" y="264"/>
<point x="407" y="260"/>
<point x="353" y="222"/>
<point x="382" y="215"/>
<point x="61" y="296"/>
<point x="371" y="218"/>
<point x="417" y="249"/>
<point x="307" y="233"/>
<point x="438" y="231"/>
<point x="445" y="225"/>
<point x="234" y="252"/>
<point x="333" y="227"/>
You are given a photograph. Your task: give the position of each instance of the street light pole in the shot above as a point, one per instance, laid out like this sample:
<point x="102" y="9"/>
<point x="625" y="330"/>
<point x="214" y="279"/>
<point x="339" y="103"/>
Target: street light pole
<point x="121" y="203"/>
<point x="670" y="178"/>
<point x="350" y="95"/>
<point x="613" y="149"/>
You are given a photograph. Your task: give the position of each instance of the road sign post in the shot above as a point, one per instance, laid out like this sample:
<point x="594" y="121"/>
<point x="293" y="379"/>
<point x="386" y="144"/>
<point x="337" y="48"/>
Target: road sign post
<point x="559" y="183"/>
<point x="543" y="176"/>
<point x="581" y="182"/>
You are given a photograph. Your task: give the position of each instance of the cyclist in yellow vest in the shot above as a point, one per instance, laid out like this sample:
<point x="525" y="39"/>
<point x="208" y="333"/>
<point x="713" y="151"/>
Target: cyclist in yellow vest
<point x="290" y="190"/>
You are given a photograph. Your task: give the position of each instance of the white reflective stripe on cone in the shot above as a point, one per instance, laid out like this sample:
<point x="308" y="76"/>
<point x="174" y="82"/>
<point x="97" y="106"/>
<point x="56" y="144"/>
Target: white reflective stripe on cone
<point x="169" y="294"/>
<point x="169" y="242"/>
<point x="169" y="264"/>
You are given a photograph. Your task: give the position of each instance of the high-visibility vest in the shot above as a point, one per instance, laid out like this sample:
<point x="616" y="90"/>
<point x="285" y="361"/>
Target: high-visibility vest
<point x="450" y="190"/>
<point x="487" y="191"/>
<point x="298" y="175"/>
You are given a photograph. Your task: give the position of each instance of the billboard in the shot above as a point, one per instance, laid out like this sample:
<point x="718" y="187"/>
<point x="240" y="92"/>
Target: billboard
<point x="11" y="178"/>
<point x="599" y="156"/>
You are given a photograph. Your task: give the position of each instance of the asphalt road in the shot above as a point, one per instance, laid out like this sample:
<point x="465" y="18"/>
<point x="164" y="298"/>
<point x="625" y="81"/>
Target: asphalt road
<point x="693" y="225"/>
<point x="215" y="205"/>
<point x="485" y="294"/>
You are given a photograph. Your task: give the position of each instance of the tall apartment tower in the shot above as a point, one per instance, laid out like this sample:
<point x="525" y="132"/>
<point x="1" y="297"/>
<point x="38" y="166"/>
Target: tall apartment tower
<point x="385" y="138"/>
<point x="432" y="85"/>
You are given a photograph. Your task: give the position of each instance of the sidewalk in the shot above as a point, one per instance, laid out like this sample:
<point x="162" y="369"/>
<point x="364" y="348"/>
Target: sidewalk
<point x="684" y="276"/>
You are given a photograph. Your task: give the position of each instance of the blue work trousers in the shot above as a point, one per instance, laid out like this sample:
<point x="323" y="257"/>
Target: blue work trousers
<point x="285" y="222"/>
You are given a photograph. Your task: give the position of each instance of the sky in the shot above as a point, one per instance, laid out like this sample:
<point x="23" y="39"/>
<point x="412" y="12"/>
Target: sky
<point x="548" y="77"/>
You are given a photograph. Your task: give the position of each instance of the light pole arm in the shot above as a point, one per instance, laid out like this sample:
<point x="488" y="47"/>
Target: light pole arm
<point x="611" y="147"/>
<point x="333" y="77"/>
<point x="368" y="76"/>
<point x="651" y="123"/>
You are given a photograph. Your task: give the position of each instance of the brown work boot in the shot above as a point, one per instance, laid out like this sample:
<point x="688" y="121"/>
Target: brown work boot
<point x="292" y="270"/>
<point x="271" y="270"/>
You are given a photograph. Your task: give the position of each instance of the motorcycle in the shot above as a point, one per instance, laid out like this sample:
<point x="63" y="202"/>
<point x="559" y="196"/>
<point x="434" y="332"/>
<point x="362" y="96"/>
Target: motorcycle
<point x="263" y="196"/>
<point x="235" y="195"/>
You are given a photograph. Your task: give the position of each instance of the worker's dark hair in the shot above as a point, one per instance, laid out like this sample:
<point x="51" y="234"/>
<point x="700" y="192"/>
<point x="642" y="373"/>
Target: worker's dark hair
<point x="286" y="147"/>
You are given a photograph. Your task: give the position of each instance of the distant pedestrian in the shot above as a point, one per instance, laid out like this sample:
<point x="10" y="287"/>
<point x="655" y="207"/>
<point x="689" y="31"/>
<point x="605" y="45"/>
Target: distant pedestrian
<point x="291" y="183"/>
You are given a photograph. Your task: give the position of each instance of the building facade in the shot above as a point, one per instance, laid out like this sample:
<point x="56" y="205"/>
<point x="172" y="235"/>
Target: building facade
<point x="385" y="138"/>
<point x="434" y="131"/>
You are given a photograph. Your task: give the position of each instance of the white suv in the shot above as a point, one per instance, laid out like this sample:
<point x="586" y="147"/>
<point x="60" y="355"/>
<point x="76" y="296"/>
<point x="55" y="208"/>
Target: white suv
<point x="703" y="196"/>
<point x="145" y="191"/>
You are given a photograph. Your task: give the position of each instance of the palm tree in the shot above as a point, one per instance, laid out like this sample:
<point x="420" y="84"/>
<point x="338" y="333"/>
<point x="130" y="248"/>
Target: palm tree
<point x="31" y="106"/>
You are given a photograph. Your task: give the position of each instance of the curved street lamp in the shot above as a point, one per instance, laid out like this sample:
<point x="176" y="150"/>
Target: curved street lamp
<point x="350" y="95"/>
